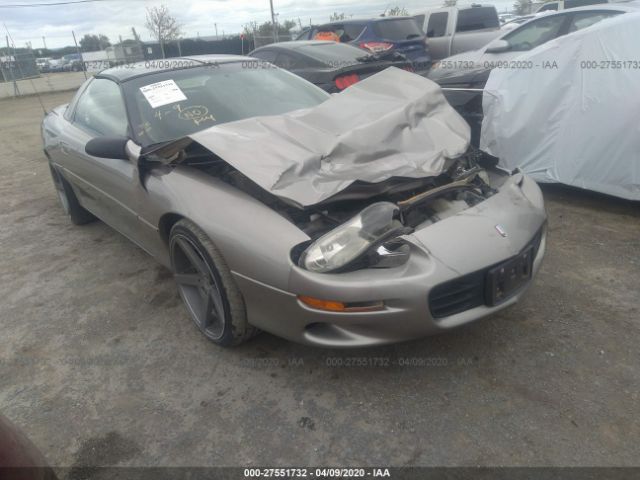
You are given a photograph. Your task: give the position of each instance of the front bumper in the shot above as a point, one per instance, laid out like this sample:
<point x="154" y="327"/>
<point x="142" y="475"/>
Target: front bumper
<point x="453" y="248"/>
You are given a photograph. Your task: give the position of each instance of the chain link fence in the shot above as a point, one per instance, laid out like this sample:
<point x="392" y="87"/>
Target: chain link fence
<point x="25" y="71"/>
<point x="18" y="66"/>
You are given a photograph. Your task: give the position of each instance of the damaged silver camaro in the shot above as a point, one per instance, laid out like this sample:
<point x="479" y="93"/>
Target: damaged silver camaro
<point x="348" y="220"/>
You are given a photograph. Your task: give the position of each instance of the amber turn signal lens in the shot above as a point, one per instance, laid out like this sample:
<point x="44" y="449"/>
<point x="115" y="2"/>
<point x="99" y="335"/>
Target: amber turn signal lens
<point x="334" y="306"/>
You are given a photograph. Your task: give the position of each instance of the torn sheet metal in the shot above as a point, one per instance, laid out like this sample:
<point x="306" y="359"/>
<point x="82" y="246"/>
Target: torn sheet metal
<point x="575" y="117"/>
<point x="394" y="123"/>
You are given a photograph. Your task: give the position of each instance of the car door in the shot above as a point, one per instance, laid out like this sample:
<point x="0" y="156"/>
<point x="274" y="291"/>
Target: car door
<point x="436" y="30"/>
<point x="107" y="187"/>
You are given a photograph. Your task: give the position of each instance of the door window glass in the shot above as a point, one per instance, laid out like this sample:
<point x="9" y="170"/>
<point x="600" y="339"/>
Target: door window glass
<point x="101" y="109"/>
<point x="535" y="33"/>
<point x="437" y="26"/>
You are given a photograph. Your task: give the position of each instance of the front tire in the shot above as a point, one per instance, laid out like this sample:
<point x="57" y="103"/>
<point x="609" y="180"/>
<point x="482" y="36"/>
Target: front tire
<point x="68" y="199"/>
<point x="206" y="286"/>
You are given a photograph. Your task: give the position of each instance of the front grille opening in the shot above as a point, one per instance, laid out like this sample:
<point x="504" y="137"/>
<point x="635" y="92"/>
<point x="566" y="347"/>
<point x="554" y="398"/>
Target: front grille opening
<point x="467" y="292"/>
<point x="457" y="295"/>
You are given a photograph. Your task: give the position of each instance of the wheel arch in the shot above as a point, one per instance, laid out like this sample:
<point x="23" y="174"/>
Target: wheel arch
<point x="166" y="223"/>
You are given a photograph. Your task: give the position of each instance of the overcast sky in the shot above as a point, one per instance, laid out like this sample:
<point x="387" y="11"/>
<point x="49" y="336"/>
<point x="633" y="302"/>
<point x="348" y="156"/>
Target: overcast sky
<point x="116" y="17"/>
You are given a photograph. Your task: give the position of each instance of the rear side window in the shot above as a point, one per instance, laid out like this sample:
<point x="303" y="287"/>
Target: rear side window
<point x="266" y="55"/>
<point x="352" y="31"/>
<point x="288" y="61"/>
<point x="477" y="18"/>
<point x="437" y="26"/>
<point x="397" y="29"/>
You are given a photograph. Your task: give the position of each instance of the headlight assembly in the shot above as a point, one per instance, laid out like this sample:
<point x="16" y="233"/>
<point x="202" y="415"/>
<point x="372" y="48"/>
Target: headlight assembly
<point x="354" y="239"/>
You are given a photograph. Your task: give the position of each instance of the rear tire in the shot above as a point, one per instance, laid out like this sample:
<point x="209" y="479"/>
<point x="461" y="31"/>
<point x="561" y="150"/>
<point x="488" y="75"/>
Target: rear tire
<point x="207" y="287"/>
<point x="68" y="199"/>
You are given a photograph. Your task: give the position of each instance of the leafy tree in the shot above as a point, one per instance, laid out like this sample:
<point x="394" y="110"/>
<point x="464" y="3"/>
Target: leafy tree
<point x="93" y="43"/>
<point x="162" y="25"/>
<point x="396" y="12"/>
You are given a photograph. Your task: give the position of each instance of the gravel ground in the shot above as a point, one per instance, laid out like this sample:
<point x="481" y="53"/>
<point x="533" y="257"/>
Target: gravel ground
<point x="100" y="365"/>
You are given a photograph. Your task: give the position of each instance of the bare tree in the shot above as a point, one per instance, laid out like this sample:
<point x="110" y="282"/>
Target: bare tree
<point x="335" y="16"/>
<point x="162" y="25"/>
<point x="450" y="3"/>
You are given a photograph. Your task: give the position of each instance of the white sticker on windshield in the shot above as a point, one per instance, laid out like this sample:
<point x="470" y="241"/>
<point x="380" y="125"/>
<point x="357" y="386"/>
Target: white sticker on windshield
<point x="162" y="93"/>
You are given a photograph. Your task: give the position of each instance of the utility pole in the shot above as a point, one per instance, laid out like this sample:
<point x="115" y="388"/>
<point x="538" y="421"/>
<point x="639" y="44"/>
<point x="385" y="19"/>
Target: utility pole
<point x="84" y="68"/>
<point x="216" y="26"/>
<point x="140" y="56"/>
<point x="273" y="23"/>
<point x="44" y="42"/>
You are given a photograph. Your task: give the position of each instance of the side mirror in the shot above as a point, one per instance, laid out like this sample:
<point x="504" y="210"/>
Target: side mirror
<point x="108" y="147"/>
<point x="498" y="46"/>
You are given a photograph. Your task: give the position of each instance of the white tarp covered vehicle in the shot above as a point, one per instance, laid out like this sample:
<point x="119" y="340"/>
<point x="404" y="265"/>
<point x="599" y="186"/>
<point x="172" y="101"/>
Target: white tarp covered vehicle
<point x="572" y="116"/>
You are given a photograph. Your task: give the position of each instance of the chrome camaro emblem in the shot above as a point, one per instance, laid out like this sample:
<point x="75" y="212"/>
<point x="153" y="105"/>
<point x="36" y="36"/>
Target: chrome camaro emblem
<point x="500" y="229"/>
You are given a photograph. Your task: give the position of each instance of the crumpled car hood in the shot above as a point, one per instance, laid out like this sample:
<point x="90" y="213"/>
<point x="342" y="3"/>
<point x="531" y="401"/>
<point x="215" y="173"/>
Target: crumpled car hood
<point x="392" y="124"/>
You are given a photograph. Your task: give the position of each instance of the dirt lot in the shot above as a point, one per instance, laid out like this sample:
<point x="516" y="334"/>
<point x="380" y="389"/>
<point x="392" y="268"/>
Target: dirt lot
<point x="100" y="364"/>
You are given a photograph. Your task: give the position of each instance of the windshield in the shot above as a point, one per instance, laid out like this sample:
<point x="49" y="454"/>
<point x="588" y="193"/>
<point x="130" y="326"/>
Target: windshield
<point x="398" y="29"/>
<point x="170" y="105"/>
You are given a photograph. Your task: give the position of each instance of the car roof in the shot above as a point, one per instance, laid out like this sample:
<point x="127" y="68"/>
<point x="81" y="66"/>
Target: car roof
<point x="140" y="69"/>
<point x="466" y="6"/>
<point x="364" y="20"/>
<point x="616" y="7"/>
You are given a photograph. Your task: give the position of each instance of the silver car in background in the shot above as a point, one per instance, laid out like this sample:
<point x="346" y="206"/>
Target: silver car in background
<point x="355" y="219"/>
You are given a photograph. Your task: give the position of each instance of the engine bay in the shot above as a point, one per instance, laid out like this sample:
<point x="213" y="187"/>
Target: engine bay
<point x="421" y="201"/>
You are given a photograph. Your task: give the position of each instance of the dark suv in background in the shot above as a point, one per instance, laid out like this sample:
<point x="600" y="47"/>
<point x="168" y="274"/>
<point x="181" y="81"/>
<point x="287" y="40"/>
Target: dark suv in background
<point x="378" y="35"/>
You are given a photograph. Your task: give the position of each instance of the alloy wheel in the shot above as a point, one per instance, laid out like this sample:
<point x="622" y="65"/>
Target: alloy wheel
<point x="198" y="287"/>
